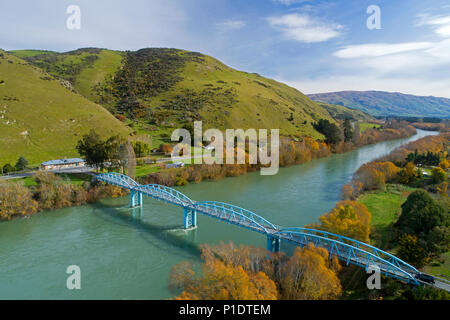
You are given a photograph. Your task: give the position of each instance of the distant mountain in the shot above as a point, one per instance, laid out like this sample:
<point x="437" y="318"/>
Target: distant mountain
<point x="380" y="103"/>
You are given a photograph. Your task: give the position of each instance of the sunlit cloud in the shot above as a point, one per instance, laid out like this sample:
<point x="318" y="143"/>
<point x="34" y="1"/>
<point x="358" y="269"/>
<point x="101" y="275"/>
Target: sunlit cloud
<point x="380" y="49"/>
<point x="303" y="28"/>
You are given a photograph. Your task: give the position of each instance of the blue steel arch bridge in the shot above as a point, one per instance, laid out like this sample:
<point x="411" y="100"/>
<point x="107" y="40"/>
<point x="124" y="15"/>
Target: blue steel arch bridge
<point x="348" y="250"/>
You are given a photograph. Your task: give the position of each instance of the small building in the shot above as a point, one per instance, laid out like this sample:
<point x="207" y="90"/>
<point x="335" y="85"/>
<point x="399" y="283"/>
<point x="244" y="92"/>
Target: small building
<point x="63" y="163"/>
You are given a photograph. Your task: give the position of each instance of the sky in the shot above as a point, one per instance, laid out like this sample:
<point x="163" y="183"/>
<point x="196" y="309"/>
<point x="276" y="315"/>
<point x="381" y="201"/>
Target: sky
<point x="313" y="45"/>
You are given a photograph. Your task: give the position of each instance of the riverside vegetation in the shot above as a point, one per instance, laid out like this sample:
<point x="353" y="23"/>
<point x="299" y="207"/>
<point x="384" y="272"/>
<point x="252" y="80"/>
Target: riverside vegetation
<point x="422" y="231"/>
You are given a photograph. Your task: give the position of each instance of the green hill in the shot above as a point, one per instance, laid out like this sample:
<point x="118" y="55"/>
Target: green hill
<point x="161" y="89"/>
<point x="340" y="112"/>
<point x="40" y="118"/>
<point x="380" y="103"/>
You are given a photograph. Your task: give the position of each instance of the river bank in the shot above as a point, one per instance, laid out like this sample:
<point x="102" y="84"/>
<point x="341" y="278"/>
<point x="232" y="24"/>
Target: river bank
<point x="102" y="238"/>
<point x="46" y="191"/>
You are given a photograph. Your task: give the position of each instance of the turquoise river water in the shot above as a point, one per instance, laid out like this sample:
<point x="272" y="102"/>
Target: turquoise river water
<point x="124" y="257"/>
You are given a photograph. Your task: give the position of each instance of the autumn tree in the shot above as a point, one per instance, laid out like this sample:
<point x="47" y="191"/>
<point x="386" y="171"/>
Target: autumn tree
<point x="408" y="174"/>
<point x="221" y="281"/>
<point x="245" y="272"/>
<point x="444" y="164"/>
<point x="16" y="200"/>
<point x="348" y="218"/>
<point x="438" y="175"/>
<point x="310" y="275"/>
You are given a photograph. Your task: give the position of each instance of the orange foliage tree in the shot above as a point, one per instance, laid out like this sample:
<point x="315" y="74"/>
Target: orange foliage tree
<point x="348" y="218"/>
<point x="310" y="275"/>
<point x="245" y="272"/>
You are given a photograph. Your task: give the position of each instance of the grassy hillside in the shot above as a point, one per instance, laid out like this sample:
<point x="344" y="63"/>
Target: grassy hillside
<point x="341" y="112"/>
<point x="83" y="68"/>
<point x="379" y="103"/>
<point x="40" y="118"/>
<point x="160" y="89"/>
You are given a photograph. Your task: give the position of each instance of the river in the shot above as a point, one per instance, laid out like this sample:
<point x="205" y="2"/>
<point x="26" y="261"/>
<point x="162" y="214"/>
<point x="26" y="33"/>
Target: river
<point x="124" y="257"/>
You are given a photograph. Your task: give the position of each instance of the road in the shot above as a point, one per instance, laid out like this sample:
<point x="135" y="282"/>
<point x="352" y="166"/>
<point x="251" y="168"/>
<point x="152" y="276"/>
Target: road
<point x="63" y="170"/>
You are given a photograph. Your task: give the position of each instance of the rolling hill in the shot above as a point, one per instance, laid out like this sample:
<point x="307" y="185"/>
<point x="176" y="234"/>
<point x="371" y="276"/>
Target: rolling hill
<point x="40" y="118"/>
<point x="159" y="89"/>
<point x="49" y="99"/>
<point x="341" y="113"/>
<point x="380" y="103"/>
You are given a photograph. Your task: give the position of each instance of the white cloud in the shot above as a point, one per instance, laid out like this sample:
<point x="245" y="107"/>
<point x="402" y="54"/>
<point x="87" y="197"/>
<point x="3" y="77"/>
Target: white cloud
<point x="303" y="28"/>
<point x="440" y="24"/>
<point x="290" y="2"/>
<point x="231" y="25"/>
<point x="379" y="49"/>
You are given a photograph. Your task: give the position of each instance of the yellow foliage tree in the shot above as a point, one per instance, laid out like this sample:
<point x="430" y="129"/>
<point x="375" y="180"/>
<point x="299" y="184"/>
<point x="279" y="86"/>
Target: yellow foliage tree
<point x="220" y="281"/>
<point x="16" y="199"/>
<point x="310" y="275"/>
<point x="348" y="218"/>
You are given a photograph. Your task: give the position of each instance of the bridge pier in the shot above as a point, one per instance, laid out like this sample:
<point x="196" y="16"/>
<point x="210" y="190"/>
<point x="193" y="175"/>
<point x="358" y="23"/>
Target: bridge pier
<point x="273" y="244"/>
<point x="190" y="218"/>
<point x="135" y="199"/>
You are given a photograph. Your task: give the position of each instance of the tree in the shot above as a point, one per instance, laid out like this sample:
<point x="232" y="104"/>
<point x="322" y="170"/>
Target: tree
<point x="423" y="217"/>
<point x="438" y="175"/>
<point x="444" y="164"/>
<point x="348" y="130"/>
<point x="329" y="130"/>
<point x="408" y="174"/>
<point x="140" y="148"/>
<point x="348" y="218"/>
<point x="411" y="250"/>
<point x="21" y="164"/>
<point x="310" y="275"/>
<point x="16" y="199"/>
<point x="92" y="148"/>
<point x="221" y="281"/>
<point x="7" y="168"/>
<point x="356" y="133"/>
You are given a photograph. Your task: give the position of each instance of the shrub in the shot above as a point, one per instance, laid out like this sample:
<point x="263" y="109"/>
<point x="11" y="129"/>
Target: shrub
<point x="438" y="175"/>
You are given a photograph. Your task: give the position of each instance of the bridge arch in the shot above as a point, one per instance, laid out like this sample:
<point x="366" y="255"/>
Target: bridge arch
<point x="117" y="179"/>
<point x="358" y="244"/>
<point x="236" y="215"/>
<point x="164" y="193"/>
<point x="347" y="252"/>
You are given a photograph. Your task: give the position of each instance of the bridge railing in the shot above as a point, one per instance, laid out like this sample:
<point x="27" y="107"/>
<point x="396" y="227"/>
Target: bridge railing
<point x="348" y="253"/>
<point x="172" y="195"/>
<point x="238" y="214"/>
<point x="118" y="179"/>
<point x="358" y="244"/>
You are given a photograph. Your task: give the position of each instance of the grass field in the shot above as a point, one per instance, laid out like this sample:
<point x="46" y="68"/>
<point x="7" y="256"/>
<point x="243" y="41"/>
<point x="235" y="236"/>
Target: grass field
<point x="366" y="125"/>
<point x="440" y="269"/>
<point x="385" y="207"/>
